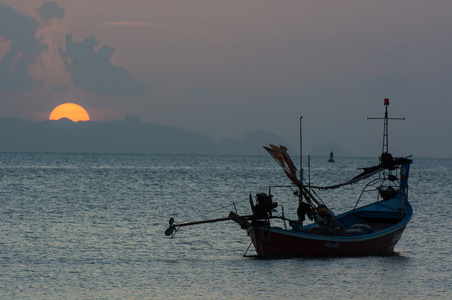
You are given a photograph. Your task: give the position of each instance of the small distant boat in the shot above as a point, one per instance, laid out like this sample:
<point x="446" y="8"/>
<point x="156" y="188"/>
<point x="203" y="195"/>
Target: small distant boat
<point x="331" y="157"/>
<point x="373" y="229"/>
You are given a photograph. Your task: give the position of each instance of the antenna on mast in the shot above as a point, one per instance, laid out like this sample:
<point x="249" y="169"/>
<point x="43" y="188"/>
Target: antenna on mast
<point x="384" y="151"/>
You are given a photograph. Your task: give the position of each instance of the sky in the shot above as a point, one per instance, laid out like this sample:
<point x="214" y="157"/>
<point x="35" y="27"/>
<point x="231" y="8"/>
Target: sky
<point x="226" y="68"/>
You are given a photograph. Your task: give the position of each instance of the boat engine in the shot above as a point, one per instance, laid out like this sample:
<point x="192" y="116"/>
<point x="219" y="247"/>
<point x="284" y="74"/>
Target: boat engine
<point x="264" y="206"/>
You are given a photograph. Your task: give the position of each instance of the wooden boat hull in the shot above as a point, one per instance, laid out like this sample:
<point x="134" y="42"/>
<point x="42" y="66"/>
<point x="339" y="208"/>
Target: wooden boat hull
<point x="275" y="241"/>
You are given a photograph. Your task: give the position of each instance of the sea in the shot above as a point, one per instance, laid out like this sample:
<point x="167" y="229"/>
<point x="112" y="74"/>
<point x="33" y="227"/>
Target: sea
<point x="91" y="226"/>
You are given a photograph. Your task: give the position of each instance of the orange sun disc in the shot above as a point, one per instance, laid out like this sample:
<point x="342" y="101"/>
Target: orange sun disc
<point x="72" y="111"/>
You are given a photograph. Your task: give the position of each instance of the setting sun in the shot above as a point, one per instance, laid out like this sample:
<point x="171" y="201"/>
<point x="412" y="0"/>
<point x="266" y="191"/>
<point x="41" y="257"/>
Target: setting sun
<point x="72" y="111"/>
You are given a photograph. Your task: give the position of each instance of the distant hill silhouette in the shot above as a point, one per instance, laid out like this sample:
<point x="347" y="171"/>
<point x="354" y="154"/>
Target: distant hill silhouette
<point x="127" y="136"/>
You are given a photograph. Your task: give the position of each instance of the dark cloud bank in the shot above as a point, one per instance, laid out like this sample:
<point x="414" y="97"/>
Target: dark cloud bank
<point x="91" y="69"/>
<point x="23" y="52"/>
<point x="128" y="136"/>
<point x="49" y="11"/>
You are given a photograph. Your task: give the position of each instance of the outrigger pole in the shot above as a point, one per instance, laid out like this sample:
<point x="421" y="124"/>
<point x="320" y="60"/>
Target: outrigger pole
<point x="174" y="227"/>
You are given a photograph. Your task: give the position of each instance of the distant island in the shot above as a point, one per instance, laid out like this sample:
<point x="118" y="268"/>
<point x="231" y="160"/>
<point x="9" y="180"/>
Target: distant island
<point x="127" y="136"/>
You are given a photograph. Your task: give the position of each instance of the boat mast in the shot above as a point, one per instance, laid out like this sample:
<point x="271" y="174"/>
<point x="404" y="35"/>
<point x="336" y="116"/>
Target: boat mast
<point x="384" y="149"/>
<point x="301" y="153"/>
<point x="301" y="164"/>
<point x="385" y="129"/>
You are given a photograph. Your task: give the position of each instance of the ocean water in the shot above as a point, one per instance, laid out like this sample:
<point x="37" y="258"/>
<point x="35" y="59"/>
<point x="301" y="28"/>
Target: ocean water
<point x="91" y="226"/>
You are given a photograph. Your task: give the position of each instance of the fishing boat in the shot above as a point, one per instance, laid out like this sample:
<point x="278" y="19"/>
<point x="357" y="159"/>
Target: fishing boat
<point x="372" y="229"/>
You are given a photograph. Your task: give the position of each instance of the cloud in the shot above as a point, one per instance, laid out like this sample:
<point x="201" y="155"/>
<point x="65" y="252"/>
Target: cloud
<point x="92" y="69"/>
<point x="23" y="48"/>
<point x="4" y="46"/>
<point x="49" y="11"/>
<point x="132" y="23"/>
<point x="49" y="66"/>
<point x="31" y="56"/>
